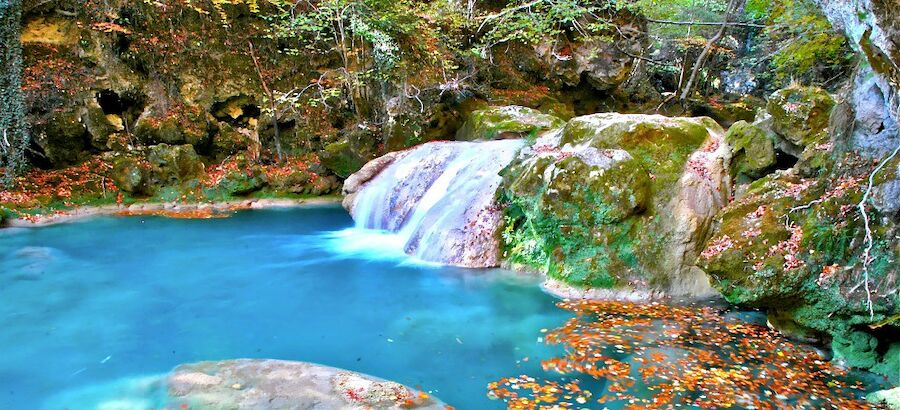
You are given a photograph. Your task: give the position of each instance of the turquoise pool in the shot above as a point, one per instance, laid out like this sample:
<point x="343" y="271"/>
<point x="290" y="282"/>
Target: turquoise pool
<point x="109" y="301"/>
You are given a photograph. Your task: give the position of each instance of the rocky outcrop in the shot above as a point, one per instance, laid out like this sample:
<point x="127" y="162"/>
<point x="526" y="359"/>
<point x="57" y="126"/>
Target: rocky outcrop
<point x="617" y="201"/>
<point x="506" y="122"/>
<point x="275" y="384"/>
<point x="796" y="241"/>
<point x="873" y="28"/>
<point x="606" y="201"/>
<point x="356" y="181"/>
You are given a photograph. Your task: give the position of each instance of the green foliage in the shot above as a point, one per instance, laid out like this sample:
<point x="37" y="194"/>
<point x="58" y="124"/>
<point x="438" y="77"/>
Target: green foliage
<point x="14" y="137"/>
<point x="530" y="21"/>
<point x="807" y="46"/>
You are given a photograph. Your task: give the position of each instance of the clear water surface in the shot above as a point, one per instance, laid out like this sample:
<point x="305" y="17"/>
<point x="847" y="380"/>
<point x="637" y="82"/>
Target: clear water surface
<point x="90" y="309"/>
<point x="94" y="313"/>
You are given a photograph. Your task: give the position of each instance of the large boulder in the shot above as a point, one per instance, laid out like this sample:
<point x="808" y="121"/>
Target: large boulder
<point x="174" y="164"/>
<point x="506" y="122"/>
<point x="617" y="201"/>
<point x="800" y="116"/>
<point x="752" y="151"/>
<point x="794" y="246"/>
<point x="275" y="384"/>
<point x="62" y="138"/>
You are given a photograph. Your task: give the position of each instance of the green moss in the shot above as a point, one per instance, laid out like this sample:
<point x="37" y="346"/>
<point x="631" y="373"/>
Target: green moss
<point x="594" y="224"/>
<point x="504" y="121"/>
<point x="856" y="348"/>
<point x="340" y="158"/>
<point x="752" y="151"/>
<point x="800" y="114"/>
<point x="242" y="182"/>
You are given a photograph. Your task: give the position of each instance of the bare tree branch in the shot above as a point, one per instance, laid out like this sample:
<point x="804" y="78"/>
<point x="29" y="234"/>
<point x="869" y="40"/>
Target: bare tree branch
<point x="708" y="23"/>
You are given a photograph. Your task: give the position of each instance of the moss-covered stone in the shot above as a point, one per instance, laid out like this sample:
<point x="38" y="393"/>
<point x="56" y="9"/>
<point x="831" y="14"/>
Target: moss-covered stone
<point x="856" y="348"/>
<point x="63" y="138"/>
<point x="794" y="245"/>
<point x="590" y="204"/>
<point x="174" y="164"/>
<point x="506" y="122"/>
<point x="130" y="175"/>
<point x="800" y="114"/>
<point x="752" y="151"/>
<point x="99" y="125"/>
<point x="351" y="152"/>
<point x="242" y="182"/>
<point x="890" y="365"/>
<point x="187" y="125"/>
<point x="229" y="140"/>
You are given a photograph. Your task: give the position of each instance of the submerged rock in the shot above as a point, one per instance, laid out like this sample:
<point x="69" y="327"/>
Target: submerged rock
<point x="889" y="398"/>
<point x="275" y="384"/>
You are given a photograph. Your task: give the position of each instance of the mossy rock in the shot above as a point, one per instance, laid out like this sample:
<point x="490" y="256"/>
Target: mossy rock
<point x="800" y="114"/>
<point x="793" y="245"/>
<point x="587" y="209"/>
<point x="752" y="151"/>
<point x="130" y="175"/>
<point x="606" y="196"/>
<point x="99" y="125"/>
<point x="63" y="138"/>
<point x="296" y="182"/>
<point x="856" y="349"/>
<point x="661" y="144"/>
<point x="243" y="182"/>
<point x="351" y="152"/>
<point x="890" y="365"/>
<point x="506" y="122"/>
<point x="174" y="164"/>
<point x="229" y="141"/>
<point x="190" y="126"/>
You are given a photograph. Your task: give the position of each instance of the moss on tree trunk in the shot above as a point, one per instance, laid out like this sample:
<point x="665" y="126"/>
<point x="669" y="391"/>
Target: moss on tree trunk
<point x="13" y="129"/>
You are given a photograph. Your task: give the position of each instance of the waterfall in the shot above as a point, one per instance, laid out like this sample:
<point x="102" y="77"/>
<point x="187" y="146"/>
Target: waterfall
<point x="438" y="199"/>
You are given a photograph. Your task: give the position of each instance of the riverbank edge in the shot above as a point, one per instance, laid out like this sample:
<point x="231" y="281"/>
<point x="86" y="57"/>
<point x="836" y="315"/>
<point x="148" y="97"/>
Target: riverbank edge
<point x="174" y="209"/>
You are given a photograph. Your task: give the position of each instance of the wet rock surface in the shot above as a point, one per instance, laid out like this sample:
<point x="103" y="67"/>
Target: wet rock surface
<point x="273" y="384"/>
<point x="607" y="200"/>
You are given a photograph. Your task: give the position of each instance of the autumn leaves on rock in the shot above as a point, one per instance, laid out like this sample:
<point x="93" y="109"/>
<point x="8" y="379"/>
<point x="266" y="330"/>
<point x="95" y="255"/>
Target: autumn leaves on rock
<point x="793" y="240"/>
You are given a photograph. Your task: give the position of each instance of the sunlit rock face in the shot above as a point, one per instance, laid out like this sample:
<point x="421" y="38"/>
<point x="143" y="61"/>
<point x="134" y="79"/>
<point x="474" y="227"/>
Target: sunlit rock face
<point x="873" y="28"/>
<point x="604" y="201"/>
<point x="439" y="198"/>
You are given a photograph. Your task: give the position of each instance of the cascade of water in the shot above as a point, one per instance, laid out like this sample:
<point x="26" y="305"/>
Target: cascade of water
<point x="439" y="199"/>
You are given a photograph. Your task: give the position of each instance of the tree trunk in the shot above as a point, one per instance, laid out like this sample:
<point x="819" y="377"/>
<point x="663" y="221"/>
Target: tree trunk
<point x="14" y="137"/>
<point x="733" y="7"/>
<point x="270" y="95"/>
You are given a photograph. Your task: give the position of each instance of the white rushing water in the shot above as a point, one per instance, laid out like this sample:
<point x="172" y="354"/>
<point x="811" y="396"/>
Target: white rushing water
<point x="438" y="201"/>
